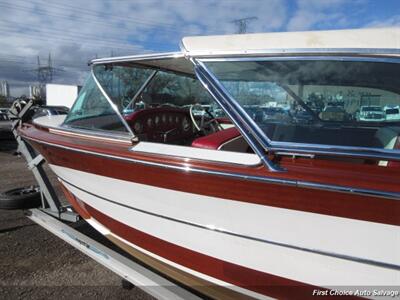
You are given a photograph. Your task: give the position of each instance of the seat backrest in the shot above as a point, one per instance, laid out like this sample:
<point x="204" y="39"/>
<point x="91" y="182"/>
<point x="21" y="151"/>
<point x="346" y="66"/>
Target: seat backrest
<point x="389" y="138"/>
<point x="217" y="139"/>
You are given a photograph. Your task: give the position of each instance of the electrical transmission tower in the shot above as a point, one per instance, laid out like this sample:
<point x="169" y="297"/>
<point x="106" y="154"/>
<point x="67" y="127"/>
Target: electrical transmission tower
<point x="45" y="73"/>
<point x="242" y="23"/>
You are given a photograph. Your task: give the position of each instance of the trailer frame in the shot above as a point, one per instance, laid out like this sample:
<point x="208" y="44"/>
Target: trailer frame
<point x="53" y="216"/>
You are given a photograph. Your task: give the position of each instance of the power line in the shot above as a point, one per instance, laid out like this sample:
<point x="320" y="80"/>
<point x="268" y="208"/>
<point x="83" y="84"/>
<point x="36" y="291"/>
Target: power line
<point x="18" y="26"/>
<point x="22" y="60"/>
<point x="71" y="37"/>
<point x="91" y="20"/>
<point x="74" y="35"/>
<point x="48" y="36"/>
<point x="96" y="13"/>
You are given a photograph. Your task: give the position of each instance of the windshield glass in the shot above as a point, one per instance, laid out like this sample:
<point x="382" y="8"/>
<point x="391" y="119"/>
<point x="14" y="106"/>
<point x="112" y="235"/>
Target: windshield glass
<point x="392" y="111"/>
<point x="92" y="111"/>
<point x="121" y="83"/>
<point x="371" y="108"/>
<point x="328" y="102"/>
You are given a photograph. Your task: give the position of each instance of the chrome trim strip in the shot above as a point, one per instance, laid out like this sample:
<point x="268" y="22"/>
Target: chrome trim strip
<point x="90" y="133"/>
<point x="235" y="234"/>
<point x="141" y="89"/>
<point x="264" y="179"/>
<point x="114" y="107"/>
<point x="140" y="57"/>
<point x="246" y="53"/>
<point x="307" y="58"/>
<point x="92" y="137"/>
<point x="274" y="146"/>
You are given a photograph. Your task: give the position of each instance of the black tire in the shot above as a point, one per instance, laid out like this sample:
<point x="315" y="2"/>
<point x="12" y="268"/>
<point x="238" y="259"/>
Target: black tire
<point x="21" y="198"/>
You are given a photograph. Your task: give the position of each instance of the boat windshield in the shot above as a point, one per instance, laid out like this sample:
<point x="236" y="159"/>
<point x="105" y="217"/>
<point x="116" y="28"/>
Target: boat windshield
<point x="329" y="102"/>
<point x="93" y="111"/>
<point x="115" y="92"/>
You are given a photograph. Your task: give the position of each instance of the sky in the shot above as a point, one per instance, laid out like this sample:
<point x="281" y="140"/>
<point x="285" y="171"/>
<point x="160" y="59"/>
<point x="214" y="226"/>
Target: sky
<point x="77" y="31"/>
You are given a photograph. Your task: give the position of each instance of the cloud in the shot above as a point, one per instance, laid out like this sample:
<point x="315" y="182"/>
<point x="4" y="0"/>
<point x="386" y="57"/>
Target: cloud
<point x="389" y="22"/>
<point x="75" y="32"/>
<point x="310" y="13"/>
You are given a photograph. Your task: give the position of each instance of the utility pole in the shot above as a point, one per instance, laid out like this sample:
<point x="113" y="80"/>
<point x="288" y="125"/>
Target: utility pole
<point x="242" y="24"/>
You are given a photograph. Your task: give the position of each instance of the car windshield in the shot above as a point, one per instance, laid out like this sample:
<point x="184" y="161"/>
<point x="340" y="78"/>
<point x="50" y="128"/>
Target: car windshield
<point x="392" y="111"/>
<point x="306" y="101"/>
<point x="373" y="108"/>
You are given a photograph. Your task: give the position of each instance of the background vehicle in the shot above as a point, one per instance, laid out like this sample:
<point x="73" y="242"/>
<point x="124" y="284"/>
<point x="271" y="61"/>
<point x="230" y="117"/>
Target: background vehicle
<point x="48" y="110"/>
<point x="5" y="126"/>
<point x="333" y="113"/>
<point x="392" y="112"/>
<point x="372" y="114"/>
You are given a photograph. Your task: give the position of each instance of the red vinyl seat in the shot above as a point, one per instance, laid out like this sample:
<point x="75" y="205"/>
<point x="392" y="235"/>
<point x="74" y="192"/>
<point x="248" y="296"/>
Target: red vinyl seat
<point x="217" y="139"/>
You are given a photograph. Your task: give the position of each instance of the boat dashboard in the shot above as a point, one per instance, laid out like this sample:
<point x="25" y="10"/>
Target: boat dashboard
<point x="162" y="125"/>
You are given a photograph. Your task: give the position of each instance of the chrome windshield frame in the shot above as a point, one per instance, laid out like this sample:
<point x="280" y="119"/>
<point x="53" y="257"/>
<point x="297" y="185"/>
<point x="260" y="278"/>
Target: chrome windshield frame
<point x="235" y="113"/>
<point x="142" y="88"/>
<point x="134" y="58"/>
<point x="275" y="146"/>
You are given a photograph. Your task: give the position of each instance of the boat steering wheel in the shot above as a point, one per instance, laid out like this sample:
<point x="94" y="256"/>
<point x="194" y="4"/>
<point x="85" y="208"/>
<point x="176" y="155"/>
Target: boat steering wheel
<point x="205" y="125"/>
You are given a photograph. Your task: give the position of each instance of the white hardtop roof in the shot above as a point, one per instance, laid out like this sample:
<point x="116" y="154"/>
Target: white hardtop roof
<point x="372" y="41"/>
<point x="371" y="38"/>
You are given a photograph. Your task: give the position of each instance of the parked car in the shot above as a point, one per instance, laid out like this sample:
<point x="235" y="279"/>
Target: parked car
<point x="4" y="110"/>
<point x="5" y="126"/>
<point x="48" y="110"/>
<point x="333" y="113"/>
<point x="392" y="113"/>
<point x="372" y="113"/>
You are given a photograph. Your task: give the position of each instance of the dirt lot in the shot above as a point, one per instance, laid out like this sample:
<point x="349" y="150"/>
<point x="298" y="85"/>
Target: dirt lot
<point x="35" y="264"/>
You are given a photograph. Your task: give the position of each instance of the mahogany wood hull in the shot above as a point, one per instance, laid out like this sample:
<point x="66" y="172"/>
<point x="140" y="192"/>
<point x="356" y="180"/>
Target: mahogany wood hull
<point x="248" y="235"/>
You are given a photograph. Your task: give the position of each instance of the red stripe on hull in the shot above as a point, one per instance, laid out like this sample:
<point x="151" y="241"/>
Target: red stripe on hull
<point x="260" y="282"/>
<point x="303" y="199"/>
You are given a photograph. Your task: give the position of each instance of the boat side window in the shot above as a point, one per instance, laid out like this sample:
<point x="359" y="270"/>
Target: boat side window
<point x="325" y="102"/>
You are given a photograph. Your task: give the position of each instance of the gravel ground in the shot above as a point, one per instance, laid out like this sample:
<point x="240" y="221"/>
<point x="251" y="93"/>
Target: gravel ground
<point x="34" y="263"/>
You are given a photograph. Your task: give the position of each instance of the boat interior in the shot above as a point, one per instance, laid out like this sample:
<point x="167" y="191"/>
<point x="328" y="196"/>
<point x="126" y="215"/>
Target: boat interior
<point x="168" y="105"/>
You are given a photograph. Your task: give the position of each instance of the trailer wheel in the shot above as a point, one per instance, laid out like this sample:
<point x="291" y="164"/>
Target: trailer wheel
<point x="21" y="198"/>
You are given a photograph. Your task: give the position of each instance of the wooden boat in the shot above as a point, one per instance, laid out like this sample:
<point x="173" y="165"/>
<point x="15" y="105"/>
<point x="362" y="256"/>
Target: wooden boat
<point x="279" y="197"/>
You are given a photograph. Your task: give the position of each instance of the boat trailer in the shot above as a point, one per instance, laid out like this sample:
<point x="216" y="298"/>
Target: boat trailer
<point x="56" y="218"/>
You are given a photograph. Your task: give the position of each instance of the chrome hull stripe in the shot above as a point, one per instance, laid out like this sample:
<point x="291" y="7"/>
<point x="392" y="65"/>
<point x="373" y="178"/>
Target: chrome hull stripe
<point x="228" y="232"/>
<point x="295" y="183"/>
